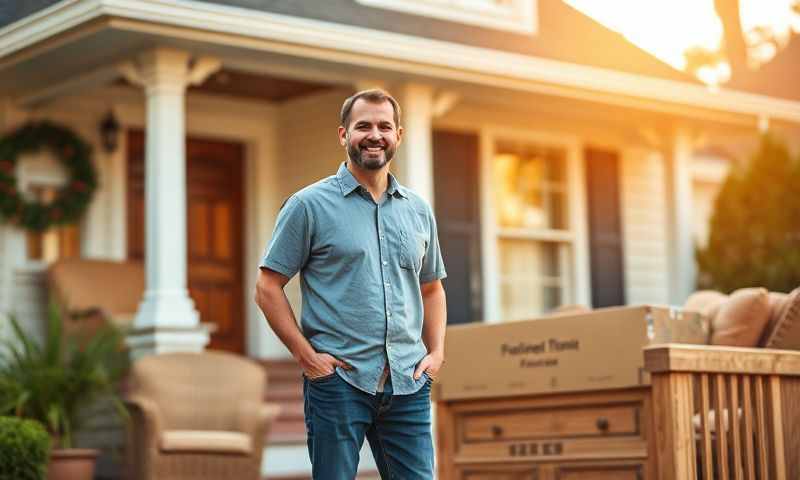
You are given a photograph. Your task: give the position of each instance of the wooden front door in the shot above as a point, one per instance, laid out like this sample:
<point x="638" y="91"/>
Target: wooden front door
<point x="214" y="231"/>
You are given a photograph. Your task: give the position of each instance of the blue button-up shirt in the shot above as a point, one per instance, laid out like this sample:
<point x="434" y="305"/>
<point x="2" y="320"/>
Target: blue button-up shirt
<point x="361" y="265"/>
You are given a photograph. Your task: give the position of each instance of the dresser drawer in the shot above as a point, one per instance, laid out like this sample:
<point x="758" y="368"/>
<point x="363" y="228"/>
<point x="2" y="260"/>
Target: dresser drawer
<point x="585" y="421"/>
<point x="625" y="471"/>
<point x="499" y="472"/>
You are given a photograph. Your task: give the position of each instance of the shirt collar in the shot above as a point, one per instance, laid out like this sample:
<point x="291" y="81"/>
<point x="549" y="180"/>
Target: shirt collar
<point x="348" y="183"/>
<point x="395" y="187"/>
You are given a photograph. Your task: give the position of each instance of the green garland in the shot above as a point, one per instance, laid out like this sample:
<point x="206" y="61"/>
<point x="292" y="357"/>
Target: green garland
<point x="71" y="200"/>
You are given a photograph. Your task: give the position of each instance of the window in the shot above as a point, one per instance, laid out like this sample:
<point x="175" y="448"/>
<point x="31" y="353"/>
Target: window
<point x="531" y="227"/>
<point x="57" y="242"/>
<point x="40" y="176"/>
<point x="514" y="15"/>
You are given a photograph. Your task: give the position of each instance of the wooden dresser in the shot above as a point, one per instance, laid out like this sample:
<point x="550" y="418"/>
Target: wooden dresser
<point x="665" y="431"/>
<point x="601" y="435"/>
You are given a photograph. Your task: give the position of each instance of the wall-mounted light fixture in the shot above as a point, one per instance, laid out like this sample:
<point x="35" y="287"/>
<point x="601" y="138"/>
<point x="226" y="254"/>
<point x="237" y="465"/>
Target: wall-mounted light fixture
<point x="109" y="132"/>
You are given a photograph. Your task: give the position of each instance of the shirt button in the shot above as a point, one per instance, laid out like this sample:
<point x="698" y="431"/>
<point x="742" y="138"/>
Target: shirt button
<point x="388" y="313"/>
<point x="386" y="284"/>
<point x="385" y="263"/>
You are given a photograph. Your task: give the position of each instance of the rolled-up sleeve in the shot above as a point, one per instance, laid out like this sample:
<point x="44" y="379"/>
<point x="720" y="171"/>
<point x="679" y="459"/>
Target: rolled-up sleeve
<point x="289" y="247"/>
<point x="432" y="262"/>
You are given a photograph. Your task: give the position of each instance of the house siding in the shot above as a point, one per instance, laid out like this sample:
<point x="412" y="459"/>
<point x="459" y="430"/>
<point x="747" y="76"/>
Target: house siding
<point x="645" y="235"/>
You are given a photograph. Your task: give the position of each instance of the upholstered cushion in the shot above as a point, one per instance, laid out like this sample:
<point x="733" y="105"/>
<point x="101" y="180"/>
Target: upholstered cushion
<point x="712" y="420"/>
<point x="776" y="301"/>
<point x="706" y="302"/>
<point x="741" y="318"/>
<point x="205" y="441"/>
<point x="786" y="331"/>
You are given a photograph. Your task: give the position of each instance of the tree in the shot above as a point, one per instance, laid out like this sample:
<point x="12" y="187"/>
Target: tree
<point x="735" y="49"/>
<point x="754" y="237"/>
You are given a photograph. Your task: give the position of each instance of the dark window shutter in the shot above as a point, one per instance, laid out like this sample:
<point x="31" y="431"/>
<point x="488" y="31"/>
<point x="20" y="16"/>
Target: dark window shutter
<point x="605" y="228"/>
<point x="457" y="204"/>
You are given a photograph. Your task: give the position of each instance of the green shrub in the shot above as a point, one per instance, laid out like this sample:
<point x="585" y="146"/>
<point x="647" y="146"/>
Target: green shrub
<point x="754" y="237"/>
<point x="24" y="449"/>
<point x="54" y="381"/>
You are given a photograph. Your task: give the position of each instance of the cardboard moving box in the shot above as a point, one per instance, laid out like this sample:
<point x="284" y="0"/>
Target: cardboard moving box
<point x="594" y="350"/>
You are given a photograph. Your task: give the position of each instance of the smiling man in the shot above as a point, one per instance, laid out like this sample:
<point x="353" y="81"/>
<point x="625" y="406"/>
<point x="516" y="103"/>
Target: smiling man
<point x="373" y="321"/>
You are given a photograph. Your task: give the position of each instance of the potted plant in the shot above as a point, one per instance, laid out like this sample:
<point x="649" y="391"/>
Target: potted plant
<point x="54" y="381"/>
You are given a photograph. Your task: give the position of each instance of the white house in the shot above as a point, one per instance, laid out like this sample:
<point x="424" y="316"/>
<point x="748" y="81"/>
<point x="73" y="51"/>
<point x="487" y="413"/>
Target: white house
<point x="565" y="165"/>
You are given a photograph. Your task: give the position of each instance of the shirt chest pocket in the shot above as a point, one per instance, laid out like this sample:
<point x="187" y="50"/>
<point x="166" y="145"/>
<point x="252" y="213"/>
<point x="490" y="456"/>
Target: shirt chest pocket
<point x="413" y="246"/>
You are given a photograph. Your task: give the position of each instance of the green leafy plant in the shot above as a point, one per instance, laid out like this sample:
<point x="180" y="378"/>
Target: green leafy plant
<point x="24" y="449"/>
<point x="55" y="380"/>
<point x="754" y="237"/>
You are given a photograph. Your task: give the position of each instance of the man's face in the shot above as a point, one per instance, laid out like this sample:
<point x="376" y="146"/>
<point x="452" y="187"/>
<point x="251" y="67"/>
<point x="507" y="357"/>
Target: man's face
<point x="372" y="138"/>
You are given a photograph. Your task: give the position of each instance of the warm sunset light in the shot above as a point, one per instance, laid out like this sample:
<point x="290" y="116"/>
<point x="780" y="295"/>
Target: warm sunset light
<point x="668" y="29"/>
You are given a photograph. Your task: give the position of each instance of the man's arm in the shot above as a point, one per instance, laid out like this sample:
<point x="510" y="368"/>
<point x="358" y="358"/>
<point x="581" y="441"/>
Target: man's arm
<point x="433" y="327"/>
<point x="272" y="300"/>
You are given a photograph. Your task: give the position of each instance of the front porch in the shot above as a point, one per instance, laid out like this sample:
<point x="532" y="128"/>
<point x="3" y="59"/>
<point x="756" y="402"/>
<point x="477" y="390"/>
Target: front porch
<point x="625" y="164"/>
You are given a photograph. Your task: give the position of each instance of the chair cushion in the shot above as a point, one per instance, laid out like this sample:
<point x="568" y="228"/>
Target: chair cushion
<point x="741" y="318"/>
<point x="786" y="331"/>
<point x="706" y="302"/>
<point x="206" y="441"/>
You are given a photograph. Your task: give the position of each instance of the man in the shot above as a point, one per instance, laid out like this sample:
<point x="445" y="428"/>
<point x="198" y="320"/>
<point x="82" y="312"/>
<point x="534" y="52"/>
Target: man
<point x="373" y="318"/>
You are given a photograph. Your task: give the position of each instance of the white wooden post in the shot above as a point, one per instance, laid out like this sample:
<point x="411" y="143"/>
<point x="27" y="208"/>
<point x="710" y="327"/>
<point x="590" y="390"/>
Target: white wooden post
<point x="166" y="320"/>
<point x="683" y="272"/>
<point x="414" y="161"/>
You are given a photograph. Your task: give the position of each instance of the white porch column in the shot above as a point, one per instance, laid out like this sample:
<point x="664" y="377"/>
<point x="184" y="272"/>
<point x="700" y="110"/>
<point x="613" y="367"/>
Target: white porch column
<point x="167" y="320"/>
<point x="414" y="161"/>
<point x="679" y="193"/>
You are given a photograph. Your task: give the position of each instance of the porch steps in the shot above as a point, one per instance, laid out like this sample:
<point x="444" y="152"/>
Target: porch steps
<point x="285" y="452"/>
<point x="369" y="475"/>
<point x="285" y="387"/>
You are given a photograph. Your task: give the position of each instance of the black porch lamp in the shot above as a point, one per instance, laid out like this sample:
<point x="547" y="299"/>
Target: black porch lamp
<point x="109" y="132"/>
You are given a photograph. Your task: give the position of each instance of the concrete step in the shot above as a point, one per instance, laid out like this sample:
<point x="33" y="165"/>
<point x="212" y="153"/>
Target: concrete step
<point x="290" y="462"/>
<point x="285" y="387"/>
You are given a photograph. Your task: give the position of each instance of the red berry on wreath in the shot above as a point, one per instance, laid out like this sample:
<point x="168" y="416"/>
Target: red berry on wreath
<point x="6" y="166"/>
<point x="79" y="186"/>
<point x="55" y="214"/>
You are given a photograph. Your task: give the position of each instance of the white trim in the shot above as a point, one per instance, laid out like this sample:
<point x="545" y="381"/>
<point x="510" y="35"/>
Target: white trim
<point x="342" y="43"/>
<point x="520" y="16"/>
<point x="491" y="278"/>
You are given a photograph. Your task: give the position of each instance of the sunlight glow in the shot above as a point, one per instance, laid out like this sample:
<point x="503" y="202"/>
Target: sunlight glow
<point x="667" y="29"/>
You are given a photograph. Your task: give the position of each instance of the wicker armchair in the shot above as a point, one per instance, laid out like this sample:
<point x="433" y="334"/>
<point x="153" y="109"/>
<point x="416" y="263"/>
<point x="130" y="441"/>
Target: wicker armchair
<point x="196" y="416"/>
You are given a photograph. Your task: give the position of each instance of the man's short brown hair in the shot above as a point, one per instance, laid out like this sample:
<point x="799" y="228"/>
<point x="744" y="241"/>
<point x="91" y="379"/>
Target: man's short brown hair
<point x="375" y="95"/>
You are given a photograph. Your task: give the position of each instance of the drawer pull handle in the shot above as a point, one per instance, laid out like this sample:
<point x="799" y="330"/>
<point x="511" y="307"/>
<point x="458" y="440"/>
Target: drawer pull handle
<point x="497" y="430"/>
<point x="602" y="424"/>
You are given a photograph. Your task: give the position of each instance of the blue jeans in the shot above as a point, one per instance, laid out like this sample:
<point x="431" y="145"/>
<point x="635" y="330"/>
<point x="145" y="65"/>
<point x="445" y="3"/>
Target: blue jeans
<point x="398" y="428"/>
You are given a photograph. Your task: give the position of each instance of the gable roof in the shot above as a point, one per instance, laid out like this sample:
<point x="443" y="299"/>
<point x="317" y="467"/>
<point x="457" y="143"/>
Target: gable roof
<point x="776" y="78"/>
<point x="564" y="33"/>
<point x="11" y="11"/>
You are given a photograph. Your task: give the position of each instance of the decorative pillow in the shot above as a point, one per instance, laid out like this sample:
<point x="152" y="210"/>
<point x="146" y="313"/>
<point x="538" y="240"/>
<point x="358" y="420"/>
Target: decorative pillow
<point x="776" y="302"/>
<point x="741" y="319"/>
<point x="706" y="302"/>
<point x="786" y="331"/>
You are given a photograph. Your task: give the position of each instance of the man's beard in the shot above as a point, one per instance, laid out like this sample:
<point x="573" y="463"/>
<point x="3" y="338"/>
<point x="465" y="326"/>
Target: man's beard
<point x="369" y="163"/>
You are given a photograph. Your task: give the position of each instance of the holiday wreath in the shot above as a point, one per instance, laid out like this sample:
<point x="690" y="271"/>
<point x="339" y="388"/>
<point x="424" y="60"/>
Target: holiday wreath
<point x="70" y="201"/>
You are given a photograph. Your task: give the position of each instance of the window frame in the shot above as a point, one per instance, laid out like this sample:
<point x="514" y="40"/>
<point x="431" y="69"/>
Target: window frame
<point x="573" y="240"/>
<point x="520" y="17"/>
